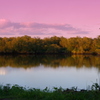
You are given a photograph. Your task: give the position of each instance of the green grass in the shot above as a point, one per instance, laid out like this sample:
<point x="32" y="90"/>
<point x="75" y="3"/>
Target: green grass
<point x="16" y="92"/>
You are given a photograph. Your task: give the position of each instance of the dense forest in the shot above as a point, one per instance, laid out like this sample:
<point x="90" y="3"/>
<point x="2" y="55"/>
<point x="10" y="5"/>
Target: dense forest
<point x="50" y="45"/>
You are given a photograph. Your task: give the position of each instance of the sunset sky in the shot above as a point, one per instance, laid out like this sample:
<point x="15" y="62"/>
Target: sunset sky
<point x="45" y="18"/>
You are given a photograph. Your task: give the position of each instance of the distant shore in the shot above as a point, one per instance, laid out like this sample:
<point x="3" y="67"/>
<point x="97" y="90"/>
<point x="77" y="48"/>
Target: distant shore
<point x="52" y="45"/>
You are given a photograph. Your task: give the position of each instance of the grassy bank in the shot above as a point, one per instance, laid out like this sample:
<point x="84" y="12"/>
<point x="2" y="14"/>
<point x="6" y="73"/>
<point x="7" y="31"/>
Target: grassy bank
<point x="20" y="93"/>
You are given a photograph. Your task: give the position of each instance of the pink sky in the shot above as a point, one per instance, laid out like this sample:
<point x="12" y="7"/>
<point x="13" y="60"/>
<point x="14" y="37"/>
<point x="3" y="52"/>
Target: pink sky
<point x="44" y="18"/>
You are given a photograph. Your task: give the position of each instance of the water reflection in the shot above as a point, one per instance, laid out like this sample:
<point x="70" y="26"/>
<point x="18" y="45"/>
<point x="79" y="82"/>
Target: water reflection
<point x="3" y="71"/>
<point x="41" y="71"/>
<point x="77" y="61"/>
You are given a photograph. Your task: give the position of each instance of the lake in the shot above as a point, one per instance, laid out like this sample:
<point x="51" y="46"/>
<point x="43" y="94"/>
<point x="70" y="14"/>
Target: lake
<point x="40" y="71"/>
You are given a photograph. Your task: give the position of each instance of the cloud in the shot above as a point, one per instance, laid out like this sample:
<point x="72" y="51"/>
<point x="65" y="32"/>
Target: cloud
<point x="6" y="24"/>
<point x="13" y="28"/>
<point x="3" y="23"/>
<point x="64" y="27"/>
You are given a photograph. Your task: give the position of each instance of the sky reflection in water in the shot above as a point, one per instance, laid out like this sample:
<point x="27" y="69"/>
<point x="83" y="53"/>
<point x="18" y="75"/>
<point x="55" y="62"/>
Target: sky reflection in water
<point x="41" y="77"/>
<point x="52" y="73"/>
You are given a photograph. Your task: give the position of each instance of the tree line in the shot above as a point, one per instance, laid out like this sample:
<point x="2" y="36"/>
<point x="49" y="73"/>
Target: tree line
<point x="50" y="45"/>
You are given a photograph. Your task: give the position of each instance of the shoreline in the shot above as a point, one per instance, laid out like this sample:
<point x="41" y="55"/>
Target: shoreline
<point x="49" y="54"/>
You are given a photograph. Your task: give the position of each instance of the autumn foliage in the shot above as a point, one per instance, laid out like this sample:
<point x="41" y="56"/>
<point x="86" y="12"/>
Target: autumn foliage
<point x="57" y="45"/>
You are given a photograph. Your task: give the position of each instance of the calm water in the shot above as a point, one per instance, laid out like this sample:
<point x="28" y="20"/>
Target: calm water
<point x="50" y="71"/>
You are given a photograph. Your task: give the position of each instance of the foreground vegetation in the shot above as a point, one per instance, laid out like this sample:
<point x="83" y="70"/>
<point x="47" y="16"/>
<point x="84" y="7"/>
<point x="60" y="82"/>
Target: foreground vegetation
<point x="26" y="44"/>
<point x="20" y="93"/>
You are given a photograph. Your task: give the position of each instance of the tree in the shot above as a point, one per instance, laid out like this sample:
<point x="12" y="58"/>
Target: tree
<point x="97" y="42"/>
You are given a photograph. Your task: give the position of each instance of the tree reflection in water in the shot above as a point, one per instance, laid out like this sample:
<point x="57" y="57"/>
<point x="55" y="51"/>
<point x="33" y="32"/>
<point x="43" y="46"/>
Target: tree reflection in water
<point x="28" y="61"/>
